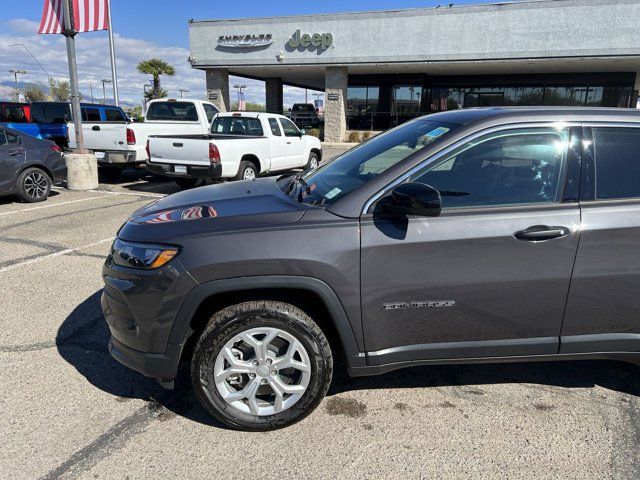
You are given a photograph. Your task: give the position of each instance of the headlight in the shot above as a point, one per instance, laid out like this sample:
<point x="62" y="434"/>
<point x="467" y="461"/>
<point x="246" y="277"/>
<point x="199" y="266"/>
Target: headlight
<point x="141" y="255"/>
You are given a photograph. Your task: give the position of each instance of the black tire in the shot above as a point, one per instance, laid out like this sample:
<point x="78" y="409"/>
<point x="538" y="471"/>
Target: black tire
<point x="313" y="162"/>
<point x="186" y="183"/>
<point x="33" y="185"/>
<point x="226" y="324"/>
<point x="244" y="167"/>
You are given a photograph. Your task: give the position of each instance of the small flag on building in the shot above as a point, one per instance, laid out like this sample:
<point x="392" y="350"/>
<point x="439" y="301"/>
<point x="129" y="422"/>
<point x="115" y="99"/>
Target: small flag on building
<point x="86" y="16"/>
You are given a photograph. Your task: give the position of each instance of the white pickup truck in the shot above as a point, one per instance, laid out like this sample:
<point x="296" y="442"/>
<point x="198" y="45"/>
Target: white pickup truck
<point x="241" y="146"/>
<point x="118" y="144"/>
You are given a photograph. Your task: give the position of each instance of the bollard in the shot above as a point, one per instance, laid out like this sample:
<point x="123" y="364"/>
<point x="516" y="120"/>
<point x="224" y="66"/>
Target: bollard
<point x="82" y="171"/>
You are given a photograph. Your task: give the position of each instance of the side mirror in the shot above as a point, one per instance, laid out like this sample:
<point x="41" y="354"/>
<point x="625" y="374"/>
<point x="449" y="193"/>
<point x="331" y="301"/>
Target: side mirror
<point x="413" y="199"/>
<point x="303" y="132"/>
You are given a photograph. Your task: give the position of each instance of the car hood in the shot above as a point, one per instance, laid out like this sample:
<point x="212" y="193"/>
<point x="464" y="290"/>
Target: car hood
<point x="229" y="206"/>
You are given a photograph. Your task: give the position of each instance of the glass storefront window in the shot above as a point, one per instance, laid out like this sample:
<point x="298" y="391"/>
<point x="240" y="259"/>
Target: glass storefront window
<point x="362" y="105"/>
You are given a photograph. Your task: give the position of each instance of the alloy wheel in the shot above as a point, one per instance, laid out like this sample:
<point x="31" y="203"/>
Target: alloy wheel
<point x="35" y="184"/>
<point x="261" y="371"/>
<point x="249" y="174"/>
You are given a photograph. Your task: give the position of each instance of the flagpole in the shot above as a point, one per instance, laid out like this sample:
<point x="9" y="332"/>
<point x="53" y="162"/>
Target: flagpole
<point x="114" y="76"/>
<point x="69" y="34"/>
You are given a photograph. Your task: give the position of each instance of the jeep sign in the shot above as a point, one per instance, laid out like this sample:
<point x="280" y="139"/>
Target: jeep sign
<point x="322" y="41"/>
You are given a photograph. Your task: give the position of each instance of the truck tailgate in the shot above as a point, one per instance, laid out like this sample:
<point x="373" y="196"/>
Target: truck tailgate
<point x="185" y="150"/>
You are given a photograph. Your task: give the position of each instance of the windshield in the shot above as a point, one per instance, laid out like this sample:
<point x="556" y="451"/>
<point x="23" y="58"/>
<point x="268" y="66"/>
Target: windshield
<point x="303" y="107"/>
<point x="350" y="171"/>
<point x="237" y="126"/>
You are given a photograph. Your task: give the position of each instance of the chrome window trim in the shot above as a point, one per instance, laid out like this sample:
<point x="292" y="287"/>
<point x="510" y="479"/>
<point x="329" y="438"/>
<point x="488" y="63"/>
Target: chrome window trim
<point x="462" y="141"/>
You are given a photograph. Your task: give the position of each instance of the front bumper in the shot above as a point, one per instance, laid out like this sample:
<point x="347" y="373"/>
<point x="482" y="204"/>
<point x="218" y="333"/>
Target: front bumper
<point x="193" y="171"/>
<point x="140" y="307"/>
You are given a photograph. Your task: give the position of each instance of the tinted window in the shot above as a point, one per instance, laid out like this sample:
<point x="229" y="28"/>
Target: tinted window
<point x="114" y="115"/>
<point x="173" y="111"/>
<point x="289" y="128"/>
<point x="15" y="114"/>
<point x="237" y="126"/>
<point x="3" y="138"/>
<point x="13" y="139"/>
<point x="91" y="115"/>
<point x="617" y="156"/>
<point x="275" y="128"/>
<point x="303" y="107"/>
<point x="50" y="113"/>
<point x="504" y="168"/>
<point x="210" y="110"/>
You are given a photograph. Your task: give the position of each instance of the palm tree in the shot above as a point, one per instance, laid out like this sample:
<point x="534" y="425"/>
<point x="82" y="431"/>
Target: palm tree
<point x="156" y="67"/>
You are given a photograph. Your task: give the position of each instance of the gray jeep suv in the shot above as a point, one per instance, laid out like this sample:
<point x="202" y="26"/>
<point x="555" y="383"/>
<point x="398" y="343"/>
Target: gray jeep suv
<point x="481" y="235"/>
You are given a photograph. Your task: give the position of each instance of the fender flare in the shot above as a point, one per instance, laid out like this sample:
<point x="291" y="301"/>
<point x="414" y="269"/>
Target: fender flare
<point x="181" y="330"/>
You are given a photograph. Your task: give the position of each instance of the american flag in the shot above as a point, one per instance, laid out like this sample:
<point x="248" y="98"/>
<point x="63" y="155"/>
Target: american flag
<point x="86" y="15"/>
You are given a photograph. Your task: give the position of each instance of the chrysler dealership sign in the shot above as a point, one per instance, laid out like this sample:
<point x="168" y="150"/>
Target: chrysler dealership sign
<point x="245" y="41"/>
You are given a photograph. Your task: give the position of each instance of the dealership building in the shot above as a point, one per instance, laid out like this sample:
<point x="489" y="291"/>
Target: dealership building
<point x="379" y="69"/>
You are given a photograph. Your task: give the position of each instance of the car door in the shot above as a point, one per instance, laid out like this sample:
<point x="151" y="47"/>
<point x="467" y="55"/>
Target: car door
<point x="12" y="156"/>
<point x="92" y="124"/>
<point x="490" y="275"/>
<point x="278" y="145"/>
<point x="296" y="144"/>
<point x="603" y="310"/>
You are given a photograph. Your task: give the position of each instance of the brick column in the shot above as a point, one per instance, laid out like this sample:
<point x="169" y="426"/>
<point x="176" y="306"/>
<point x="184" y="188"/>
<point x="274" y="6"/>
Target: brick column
<point x="218" y="88"/>
<point x="273" y="90"/>
<point x="335" y="103"/>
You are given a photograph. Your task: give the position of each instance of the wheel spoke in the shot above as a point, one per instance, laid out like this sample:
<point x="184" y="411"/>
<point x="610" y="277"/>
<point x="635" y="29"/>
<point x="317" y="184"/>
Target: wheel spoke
<point x="280" y="388"/>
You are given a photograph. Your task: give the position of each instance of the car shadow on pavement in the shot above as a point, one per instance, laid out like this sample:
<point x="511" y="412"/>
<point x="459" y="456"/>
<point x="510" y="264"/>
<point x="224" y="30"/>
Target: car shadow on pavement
<point x="83" y="336"/>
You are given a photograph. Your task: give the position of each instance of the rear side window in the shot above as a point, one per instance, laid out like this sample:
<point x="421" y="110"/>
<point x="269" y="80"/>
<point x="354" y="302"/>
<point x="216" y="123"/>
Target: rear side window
<point x="90" y="115"/>
<point x="173" y="111"/>
<point x="210" y="110"/>
<point x="13" y="139"/>
<point x="275" y="128"/>
<point x="617" y="158"/>
<point x="114" y="115"/>
<point x="14" y="114"/>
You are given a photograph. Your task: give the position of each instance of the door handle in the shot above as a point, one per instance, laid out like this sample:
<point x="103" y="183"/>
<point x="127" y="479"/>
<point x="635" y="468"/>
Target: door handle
<point x="177" y="144"/>
<point x="13" y="153"/>
<point x="95" y="128"/>
<point x="539" y="233"/>
<point x="288" y="143"/>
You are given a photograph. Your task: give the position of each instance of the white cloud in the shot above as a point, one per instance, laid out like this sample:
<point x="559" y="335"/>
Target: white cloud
<point x="92" y="51"/>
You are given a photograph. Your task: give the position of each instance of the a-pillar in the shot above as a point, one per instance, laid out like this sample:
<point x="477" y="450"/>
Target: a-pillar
<point x="335" y="103"/>
<point x="218" y="88"/>
<point x="273" y="90"/>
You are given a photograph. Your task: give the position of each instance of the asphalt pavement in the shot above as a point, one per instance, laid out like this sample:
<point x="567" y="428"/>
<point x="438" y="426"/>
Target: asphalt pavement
<point x="70" y="411"/>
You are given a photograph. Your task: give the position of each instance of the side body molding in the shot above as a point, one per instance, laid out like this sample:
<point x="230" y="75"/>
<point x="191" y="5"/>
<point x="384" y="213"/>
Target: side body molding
<point x="181" y="329"/>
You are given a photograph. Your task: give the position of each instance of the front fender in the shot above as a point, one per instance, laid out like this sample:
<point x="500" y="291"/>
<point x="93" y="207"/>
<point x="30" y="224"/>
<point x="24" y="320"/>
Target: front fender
<point x="181" y="328"/>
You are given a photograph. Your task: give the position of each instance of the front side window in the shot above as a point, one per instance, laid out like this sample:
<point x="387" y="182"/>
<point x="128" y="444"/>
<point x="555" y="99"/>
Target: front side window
<point x="210" y="111"/>
<point x="360" y="165"/>
<point x="237" y="126"/>
<point x="289" y="128"/>
<point x="510" y="167"/>
<point x="173" y="111"/>
<point x="275" y="128"/>
<point x="617" y="159"/>
<point x="114" y="115"/>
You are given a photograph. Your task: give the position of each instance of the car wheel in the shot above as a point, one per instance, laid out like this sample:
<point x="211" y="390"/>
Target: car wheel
<point x="186" y="183"/>
<point x="313" y="162"/>
<point x="34" y="185"/>
<point x="261" y="365"/>
<point x="247" y="171"/>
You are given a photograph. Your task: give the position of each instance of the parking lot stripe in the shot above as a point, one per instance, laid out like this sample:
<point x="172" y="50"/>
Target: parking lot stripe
<point x="51" y="205"/>
<point x="153" y="195"/>
<point x="53" y="255"/>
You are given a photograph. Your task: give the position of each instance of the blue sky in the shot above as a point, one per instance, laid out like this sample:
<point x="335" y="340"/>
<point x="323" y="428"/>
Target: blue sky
<point x="147" y="28"/>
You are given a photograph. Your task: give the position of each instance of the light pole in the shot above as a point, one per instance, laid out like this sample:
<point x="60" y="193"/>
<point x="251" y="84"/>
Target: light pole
<point x="39" y="64"/>
<point x="239" y="87"/>
<point x="91" y="90"/>
<point x="15" y="76"/>
<point x="183" y="90"/>
<point x="104" y="92"/>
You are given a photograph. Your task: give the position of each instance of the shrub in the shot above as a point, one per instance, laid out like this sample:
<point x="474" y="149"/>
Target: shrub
<point x="354" y="137"/>
<point x="314" y="132"/>
<point x="366" y="136"/>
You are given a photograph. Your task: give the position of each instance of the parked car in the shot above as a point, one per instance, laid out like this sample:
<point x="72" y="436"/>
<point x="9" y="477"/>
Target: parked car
<point x="470" y="236"/>
<point x="120" y="144"/>
<point x="241" y="146"/>
<point x="44" y="120"/>
<point x="304" y="115"/>
<point x="29" y="166"/>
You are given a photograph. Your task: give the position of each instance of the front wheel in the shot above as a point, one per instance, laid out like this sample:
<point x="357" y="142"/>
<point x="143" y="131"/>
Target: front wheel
<point x="313" y="161"/>
<point x="261" y="365"/>
<point x="33" y="185"/>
